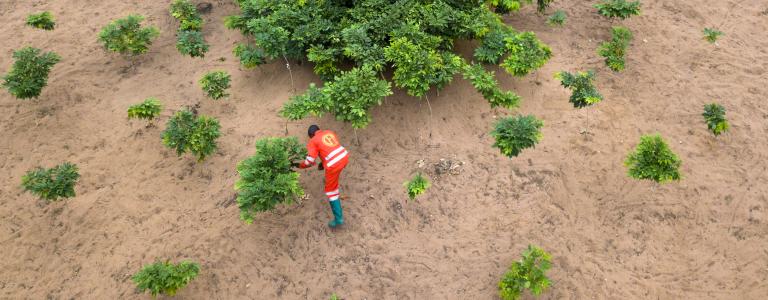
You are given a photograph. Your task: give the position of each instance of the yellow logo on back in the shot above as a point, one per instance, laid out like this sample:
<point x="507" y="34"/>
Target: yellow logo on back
<point x="330" y="140"/>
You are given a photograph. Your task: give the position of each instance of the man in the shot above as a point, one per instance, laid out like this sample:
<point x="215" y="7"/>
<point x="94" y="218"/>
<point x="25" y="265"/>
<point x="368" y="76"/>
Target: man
<point x="325" y="144"/>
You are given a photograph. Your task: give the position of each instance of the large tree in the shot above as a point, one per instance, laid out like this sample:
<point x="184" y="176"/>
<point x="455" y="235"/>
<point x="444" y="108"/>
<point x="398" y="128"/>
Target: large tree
<point x="412" y="39"/>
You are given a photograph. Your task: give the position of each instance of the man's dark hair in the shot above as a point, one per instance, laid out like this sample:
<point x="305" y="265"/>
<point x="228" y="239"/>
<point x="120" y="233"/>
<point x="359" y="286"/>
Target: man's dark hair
<point x="312" y="129"/>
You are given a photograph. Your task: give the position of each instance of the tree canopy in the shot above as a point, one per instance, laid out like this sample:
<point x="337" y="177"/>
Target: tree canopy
<point x="412" y="39"/>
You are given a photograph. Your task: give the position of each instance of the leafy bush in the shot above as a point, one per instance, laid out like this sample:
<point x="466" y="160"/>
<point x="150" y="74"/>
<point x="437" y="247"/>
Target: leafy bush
<point x="52" y="184"/>
<point x="186" y="132"/>
<point x="526" y="53"/>
<point x="43" y="20"/>
<point x="417" y="186"/>
<point x="250" y="57"/>
<point x="411" y="39"/>
<point x="513" y="134"/>
<point x="165" y="278"/>
<point x="714" y="116"/>
<point x="486" y="84"/>
<point x="558" y="18"/>
<point x="29" y="74"/>
<point x="493" y="46"/>
<point x="348" y="97"/>
<point x="187" y="14"/>
<point x="653" y="160"/>
<point x="267" y="178"/>
<point x="711" y="34"/>
<point x="126" y="36"/>
<point x="528" y="273"/>
<point x="618" y="8"/>
<point x="215" y="84"/>
<point x="581" y="83"/>
<point x="614" y="50"/>
<point x="191" y="43"/>
<point x="147" y="110"/>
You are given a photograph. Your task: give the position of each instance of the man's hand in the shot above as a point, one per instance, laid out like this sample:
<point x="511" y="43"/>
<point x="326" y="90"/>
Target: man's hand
<point x="295" y="165"/>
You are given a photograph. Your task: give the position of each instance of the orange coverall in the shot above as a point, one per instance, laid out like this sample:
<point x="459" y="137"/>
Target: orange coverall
<point x="325" y="145"/>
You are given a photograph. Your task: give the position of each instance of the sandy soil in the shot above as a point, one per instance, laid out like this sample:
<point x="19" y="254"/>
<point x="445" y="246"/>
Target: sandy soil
<point x="611" y="237"/>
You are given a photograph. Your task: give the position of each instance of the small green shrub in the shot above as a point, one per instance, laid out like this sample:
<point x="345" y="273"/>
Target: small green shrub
<point x="191" y="43"/>
<point x="653" y="160"/>
<point x="250" y="57"/>
<point x="52" y="184"/>
<point x="485" y="82"/>
<point x="513" y="134"/>
<point x="528" y="273"/>
<point x="187" y="14"/>
<point x="165" y="278"/>
<point x="526" y="53"/>
<point x="711" y="35"/>
<point x="29" y="74"/>
<point x="558" y="18"/>
<point x="582" y="84"/>
<point x="126" y="36"/>
<point x="618" y="8"/>
<point x="215" y="84"/>
<point x="417" y="186"/>
<point x="43" y="20"/>
<point x="186" y="132"/>
<point x="614" y="50"/>
<point x="714" y="116"/>
<point x="267" y="178"/>
<point x="147" y="110"/>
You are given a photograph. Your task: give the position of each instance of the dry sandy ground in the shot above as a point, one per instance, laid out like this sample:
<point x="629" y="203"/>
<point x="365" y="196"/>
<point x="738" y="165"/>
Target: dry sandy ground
<point x="611" y="237"/>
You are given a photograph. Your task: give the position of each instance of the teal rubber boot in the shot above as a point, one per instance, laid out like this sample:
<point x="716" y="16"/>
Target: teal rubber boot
<point x="338" y="216"/>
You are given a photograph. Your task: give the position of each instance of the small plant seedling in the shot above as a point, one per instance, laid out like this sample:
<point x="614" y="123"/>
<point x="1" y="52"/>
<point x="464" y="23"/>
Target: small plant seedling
<point x="653" y="160"/>
<point x="186" y="132"/>
<point x="147" y="110"/>
<point x="714" y="116"/>
<point x="187" y="14"/>
<point x="334" y="297"/>
<point x="127" y="37"/>
<point x="43" y="20"/>
<point x="29" y="74"/>
<point x="620" y="9"/>
<point x="558" y="18"/>
<point x="417" y="186"/>
<point x="528" y="273"/>
<point x="614" y="50"/>
<point x="215" y="84"/>
<point x="191" y="43"/>
<point x="582" y="84"/>
<point x="711" y="35"/>
<point x="513" y="134"/>
<point x="165" y="278"/>
<point x="267" y="178"/>
<point x="526" y="53"/>
<point x="52" y="184"/>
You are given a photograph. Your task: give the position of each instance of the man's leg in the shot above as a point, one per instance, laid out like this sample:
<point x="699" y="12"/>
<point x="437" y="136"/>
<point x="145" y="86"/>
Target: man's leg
<point x="332" y="192"/>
